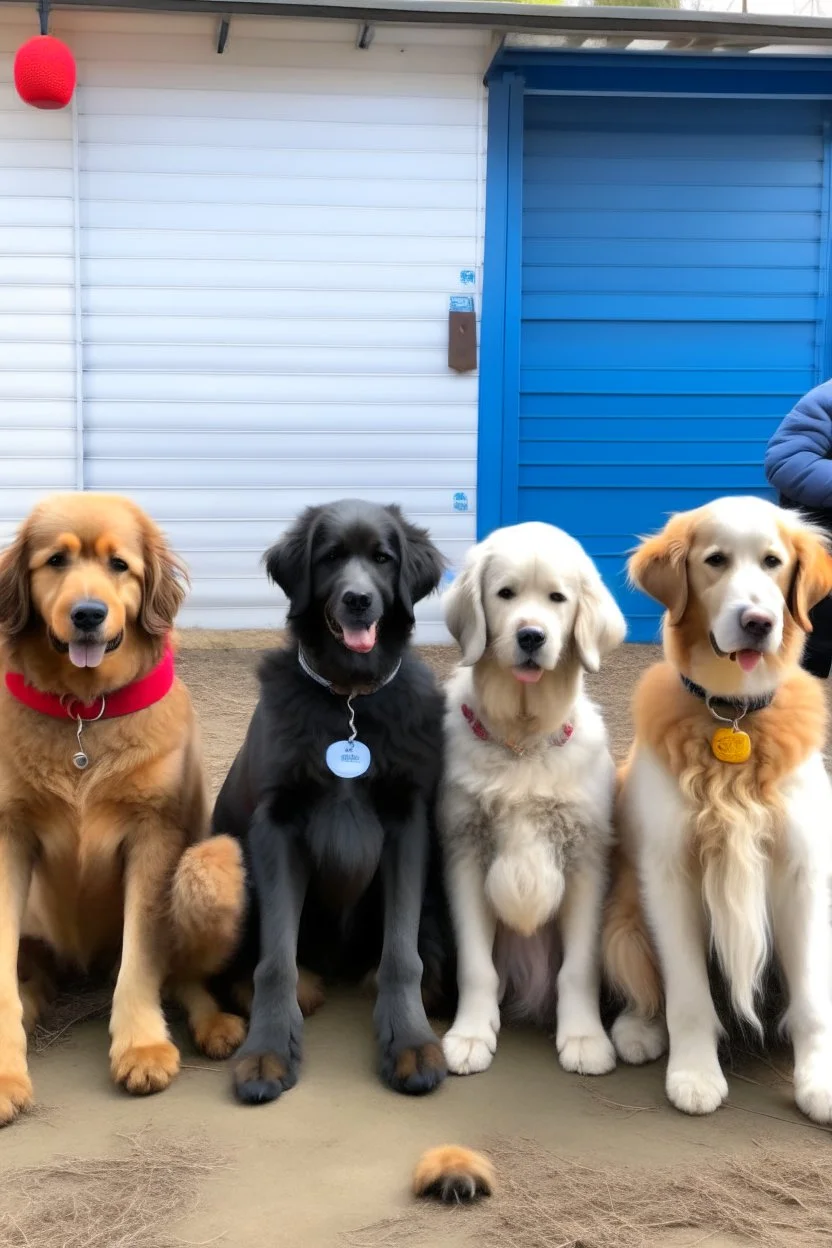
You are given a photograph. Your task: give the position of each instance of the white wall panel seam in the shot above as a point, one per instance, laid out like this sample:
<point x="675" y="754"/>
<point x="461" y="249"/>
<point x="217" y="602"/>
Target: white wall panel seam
<point x="37" y="350"/>
<point x="78" y="295"/>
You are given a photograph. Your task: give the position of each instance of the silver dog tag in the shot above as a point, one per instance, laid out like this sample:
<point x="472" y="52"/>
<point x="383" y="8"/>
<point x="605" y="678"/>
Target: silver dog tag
<point x="80" y="760"/>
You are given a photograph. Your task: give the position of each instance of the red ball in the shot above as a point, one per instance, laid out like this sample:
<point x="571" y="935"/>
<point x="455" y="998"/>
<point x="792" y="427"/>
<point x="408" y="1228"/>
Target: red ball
<point x="44" y="72"/>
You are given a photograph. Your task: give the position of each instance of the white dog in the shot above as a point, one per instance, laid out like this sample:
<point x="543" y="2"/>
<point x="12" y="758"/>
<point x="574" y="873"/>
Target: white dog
<point x="526" y="806"/>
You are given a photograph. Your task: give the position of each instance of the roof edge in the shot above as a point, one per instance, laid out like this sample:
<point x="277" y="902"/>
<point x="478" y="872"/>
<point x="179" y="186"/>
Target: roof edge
<point x="499" y="16"/>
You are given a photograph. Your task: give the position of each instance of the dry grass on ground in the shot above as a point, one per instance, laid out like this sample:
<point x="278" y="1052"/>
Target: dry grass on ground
<point x="778" y="1197"/>
<point x="127" y="1200"/>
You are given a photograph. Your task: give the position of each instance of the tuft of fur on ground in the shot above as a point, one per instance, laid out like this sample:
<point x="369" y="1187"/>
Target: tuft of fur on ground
<point x="131" y="1200"/>
<point x="772" y="1197"/>
<point x="453" y="1175"/>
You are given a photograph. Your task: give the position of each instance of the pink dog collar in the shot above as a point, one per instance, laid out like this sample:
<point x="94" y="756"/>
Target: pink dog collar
<point x="479" y="730"/>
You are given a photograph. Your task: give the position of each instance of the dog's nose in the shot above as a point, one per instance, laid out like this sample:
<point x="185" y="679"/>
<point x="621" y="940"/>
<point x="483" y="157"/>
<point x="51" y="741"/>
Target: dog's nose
<point x="757" y="624"/>
<point x="356" y="602"/>
<point x="88" y="616"/>
<point x="530" y="639"/>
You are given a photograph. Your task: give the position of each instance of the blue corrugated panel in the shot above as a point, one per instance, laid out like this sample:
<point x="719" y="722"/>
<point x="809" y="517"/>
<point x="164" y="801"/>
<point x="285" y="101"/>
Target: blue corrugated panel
<point x="672" y="307"/>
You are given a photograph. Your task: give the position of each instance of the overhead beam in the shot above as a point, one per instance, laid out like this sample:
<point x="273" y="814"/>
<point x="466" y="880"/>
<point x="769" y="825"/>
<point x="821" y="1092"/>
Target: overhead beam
<point x="551" y="19"/>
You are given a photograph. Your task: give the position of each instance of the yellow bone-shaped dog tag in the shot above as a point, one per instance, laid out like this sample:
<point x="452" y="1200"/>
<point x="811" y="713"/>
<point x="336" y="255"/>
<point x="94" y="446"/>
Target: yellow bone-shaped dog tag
<point x="730" y="745"/>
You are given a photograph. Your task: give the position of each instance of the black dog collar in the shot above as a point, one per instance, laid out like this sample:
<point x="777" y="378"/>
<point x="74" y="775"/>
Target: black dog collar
<point x="742" y="706"/>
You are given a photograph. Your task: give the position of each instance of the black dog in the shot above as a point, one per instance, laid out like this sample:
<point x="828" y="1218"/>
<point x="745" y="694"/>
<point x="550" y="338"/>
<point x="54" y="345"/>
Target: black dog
<point x="343" y="862"/>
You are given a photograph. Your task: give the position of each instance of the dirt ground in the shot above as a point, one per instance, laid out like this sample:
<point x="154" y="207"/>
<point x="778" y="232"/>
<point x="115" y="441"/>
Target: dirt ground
<point x="329" y="1164"/>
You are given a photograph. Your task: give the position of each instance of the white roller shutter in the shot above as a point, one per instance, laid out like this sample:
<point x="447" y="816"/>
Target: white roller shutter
<point x="269" y="241"/>
<point x="37" y="292"/>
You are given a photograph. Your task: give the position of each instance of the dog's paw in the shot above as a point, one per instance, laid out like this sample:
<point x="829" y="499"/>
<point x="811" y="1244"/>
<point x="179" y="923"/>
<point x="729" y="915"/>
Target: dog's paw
<point x="219" y="1035"/>
<point x="143" y="1069"/>
<point x="638" y="1040"/>
<point x="311" y="994"/>
<point x="15" y="1096"/>
<point x="414" y="1070"/>
<point x="586" y="1055"/>
<point x="469" y="1055"/>
<point x="696" y="1091"/>
<point x="263" y="1077"/>
<point x="813" y="1097"/>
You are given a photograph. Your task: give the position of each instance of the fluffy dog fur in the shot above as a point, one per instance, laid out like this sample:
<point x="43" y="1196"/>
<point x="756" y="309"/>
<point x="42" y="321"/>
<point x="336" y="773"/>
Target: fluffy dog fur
<point x="526" y="826"/>
<point x="454" y="1175"/>
<point x="339" y="866"/>
<point x="731" y="857"/>
<point x="95" y="864"/>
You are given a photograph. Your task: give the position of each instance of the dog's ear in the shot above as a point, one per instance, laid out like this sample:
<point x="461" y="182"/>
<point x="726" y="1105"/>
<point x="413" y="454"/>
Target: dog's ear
<point x="812" y="578"/>
<point x="165" y="582"/>
<point x="15" y="599"/>
<point x="289" y="561"/>
<point x="599" y="624"/>
<point x="464" y="608"/>
<point x="660" y="566"/>
<point x="420" y="564"/>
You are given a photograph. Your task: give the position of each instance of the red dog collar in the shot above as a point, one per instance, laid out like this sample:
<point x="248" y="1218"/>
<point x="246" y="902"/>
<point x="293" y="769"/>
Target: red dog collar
<point x="479" y="730"/>
<point x="134" y="697"/>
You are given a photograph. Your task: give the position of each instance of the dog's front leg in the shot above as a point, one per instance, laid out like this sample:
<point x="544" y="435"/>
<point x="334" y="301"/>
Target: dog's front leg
<point x="583" y="1045"/>
<point x="267" y="1063"/>
<point x="142" y="1057"/>
<point x="15" y="876"/>
<point x="411" y="1056"/>
<point x="695" y="1082"/>
<point x="472" y="1040"/>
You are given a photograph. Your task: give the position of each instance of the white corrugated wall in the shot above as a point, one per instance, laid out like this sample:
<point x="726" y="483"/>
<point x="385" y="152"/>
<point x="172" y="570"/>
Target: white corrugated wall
<point x="269" y="239"/>
<point x="37" y="293"/>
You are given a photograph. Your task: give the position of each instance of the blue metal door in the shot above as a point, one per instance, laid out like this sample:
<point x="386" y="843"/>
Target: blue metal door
<point x="672" y="307"/>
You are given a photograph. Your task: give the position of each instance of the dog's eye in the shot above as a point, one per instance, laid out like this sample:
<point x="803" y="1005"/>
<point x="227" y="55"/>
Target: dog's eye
<point x="557" y="597"/>
<point x="380" y="557"/>
<point x="332" y="556"/>
<point x="118" y="565"/>
<point x="717" y="559"/>
<point x="772" y="561"/>
<point x="56" y="561"/>
<point x="506" y="593"/>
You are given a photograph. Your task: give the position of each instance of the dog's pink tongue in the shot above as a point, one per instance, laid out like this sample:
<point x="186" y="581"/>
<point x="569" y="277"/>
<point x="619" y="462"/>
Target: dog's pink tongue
<point x="748" y="659"/>
<point x="361" y="640"/>
<point x="85" y="654"/>
<point x="528" y="675"/>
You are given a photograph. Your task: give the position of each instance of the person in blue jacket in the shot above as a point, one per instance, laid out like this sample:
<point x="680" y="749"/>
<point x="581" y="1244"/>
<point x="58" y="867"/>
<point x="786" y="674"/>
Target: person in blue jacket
<point x="798" y="465"/>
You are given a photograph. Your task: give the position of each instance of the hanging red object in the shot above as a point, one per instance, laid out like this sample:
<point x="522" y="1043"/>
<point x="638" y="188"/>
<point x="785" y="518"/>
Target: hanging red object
<point x="44" y="72"/>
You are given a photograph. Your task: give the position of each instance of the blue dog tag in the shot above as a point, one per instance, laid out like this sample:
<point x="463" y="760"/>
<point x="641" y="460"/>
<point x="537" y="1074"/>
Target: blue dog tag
<point x="348" y="759"/>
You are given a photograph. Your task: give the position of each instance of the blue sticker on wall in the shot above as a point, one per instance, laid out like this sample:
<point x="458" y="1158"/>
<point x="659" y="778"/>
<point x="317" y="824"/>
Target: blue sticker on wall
<point x="462" y="303"/>
<point x="460" y="501"/>
<point x="467" y="277"/>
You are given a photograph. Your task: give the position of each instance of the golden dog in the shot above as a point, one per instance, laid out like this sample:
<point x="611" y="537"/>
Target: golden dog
<point x="102" y="794"/>
<point x="725" y="807"/>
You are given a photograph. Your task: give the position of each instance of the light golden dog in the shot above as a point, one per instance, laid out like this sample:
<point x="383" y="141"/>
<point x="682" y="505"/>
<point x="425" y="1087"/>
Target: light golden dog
<point x="725" y="808"/>
<point x="525" y="807"/>
<point x="102" y="794"/>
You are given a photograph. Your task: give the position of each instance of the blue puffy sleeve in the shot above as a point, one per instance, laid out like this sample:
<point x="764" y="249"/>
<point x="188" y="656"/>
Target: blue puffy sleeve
<point x="797" y="462"/>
